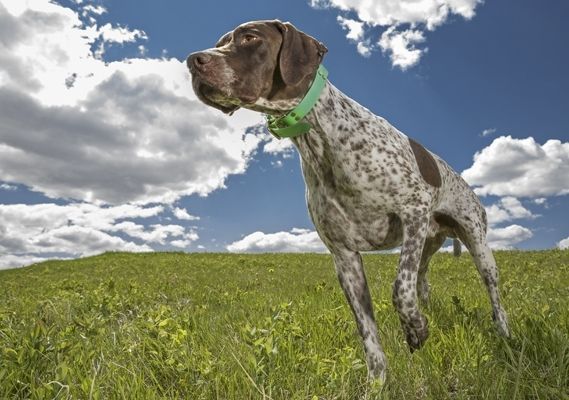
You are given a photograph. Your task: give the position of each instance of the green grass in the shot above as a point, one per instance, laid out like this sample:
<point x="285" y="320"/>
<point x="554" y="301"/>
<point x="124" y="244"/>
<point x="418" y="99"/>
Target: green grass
<point x="219" y="326"/>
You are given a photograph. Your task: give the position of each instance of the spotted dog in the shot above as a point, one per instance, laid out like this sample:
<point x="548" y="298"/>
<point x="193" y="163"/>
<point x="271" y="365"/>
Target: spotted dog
<point x="368" y="186"/>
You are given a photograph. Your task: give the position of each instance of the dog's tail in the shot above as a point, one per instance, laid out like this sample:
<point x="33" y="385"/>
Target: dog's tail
<point x="456" y="247"/>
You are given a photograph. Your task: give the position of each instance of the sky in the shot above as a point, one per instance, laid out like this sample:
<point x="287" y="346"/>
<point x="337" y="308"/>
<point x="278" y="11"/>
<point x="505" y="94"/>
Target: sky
<point x="105" y="147"/>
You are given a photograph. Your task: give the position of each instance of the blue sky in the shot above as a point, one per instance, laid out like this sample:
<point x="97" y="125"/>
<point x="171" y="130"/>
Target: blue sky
<point x="103" y="146"/>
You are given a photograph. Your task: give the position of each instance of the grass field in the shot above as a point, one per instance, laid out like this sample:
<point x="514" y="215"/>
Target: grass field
<point x="275" y="326"/>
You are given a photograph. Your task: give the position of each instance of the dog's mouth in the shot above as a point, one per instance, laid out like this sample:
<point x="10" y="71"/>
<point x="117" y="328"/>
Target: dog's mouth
<point x="219" y="95"/>
<point x="212" y="96"/>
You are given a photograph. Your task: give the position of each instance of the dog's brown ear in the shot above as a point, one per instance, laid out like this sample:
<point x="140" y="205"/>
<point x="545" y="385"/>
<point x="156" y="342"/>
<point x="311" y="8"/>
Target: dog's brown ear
<point x="300" y="54"/>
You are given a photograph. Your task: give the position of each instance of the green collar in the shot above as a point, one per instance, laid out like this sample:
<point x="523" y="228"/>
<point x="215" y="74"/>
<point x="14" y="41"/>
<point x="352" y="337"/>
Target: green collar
<point x="289" y="125"/>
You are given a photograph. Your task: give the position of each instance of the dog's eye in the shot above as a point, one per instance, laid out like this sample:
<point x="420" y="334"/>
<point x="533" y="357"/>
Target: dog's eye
<point x="248" y="38"/>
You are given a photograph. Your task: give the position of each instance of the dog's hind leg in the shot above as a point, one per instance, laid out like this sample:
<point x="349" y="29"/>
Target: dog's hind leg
<point x="350" y="271"/>
<point x="432" y="244"/>
<point x="486" y="265"/>
<point x="414" y="324"/>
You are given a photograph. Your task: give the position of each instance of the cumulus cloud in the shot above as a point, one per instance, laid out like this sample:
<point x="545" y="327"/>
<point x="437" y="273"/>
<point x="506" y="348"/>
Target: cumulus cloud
<point x="271" y="144"/>
<point x="154" y="233"/>
<point x="405" y="20"/>
<point x="505" y="238"/>
<point x="17" y="260"/>
<point x="507" y="209"/>
<point x="355" y="34"/>
<point x="401" y="46"/>
<point x="515" y="168"/>
<point x="275" y="146"/>
<point x="120" y="34"/>
<point x="76" y="127"/>
<point x="305" y="241"/>
<point x="520" y="168"/>
<point x="295" y="241"/>
<point x="364" y="48"/>
<point x="563" y="244"/>
<point x="182" y="213"/>
<point x="97" y="10"/>
<point x="35" y="232"/>
<point x="355" y="28"/>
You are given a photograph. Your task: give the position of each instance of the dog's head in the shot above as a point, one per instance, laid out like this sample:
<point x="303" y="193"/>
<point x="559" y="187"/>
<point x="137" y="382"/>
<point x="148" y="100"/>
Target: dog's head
<point x="261" y="65"/>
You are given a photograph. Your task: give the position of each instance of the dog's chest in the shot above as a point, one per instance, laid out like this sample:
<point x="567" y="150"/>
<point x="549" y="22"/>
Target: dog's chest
<point x="359" y="172"/>
<point x="354" y="190"/>
<point x="349" y="215"/>
<point x="356" y="158"/>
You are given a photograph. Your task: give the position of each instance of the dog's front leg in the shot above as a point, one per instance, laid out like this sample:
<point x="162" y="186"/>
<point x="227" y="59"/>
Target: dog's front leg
<point x="350" y="271"/>
<point x="405" y="287"/>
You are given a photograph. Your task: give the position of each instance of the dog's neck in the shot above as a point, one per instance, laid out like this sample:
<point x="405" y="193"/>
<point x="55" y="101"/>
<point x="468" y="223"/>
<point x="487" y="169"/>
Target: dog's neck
<point x="330" y="129"/>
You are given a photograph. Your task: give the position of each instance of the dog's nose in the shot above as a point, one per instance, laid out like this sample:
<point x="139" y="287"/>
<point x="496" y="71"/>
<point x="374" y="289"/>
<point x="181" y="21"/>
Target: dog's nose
<point x="198" y="60"/>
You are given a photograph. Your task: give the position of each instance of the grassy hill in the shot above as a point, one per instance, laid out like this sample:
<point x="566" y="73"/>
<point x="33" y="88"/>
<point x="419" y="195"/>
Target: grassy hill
<point x="221" y="326"/>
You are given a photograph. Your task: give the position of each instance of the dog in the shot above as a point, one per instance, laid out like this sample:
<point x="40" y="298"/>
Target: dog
<point x="369" y="187"/>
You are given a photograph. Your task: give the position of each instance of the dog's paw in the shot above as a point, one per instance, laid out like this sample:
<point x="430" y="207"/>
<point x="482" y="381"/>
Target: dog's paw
<point x="501" y="320"/>
<point x="417" y="333"/>
<point x="376" y="367"/>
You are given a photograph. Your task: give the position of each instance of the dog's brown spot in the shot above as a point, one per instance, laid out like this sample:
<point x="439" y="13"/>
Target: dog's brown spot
<point x="427" y="164"/>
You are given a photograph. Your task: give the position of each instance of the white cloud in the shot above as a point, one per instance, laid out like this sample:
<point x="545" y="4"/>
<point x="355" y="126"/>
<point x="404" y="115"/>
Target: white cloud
<point x="355" y="28"/>
<point x="401" y="46"/>
<point x="154" y="233"/>
<point x="563" y="244"/>
<point x="355" y="34"/>
<point x="305" y="241"/>
<point x="278" y="146"/>
<point x="450" y="249"/>
<point x="520" y="168"/>
<point x="504" y="238"/>
<point x="507" y="237"/>
<point x="430" y="13"/>
<point x="77" y="127"/>
<point x="5" y="186"/>
<point x="488" y="131"/>
<point x="98" y="10"/>
<point x="515" y="208"/>
<point x="80" y="241"/>
<point x="182" y="213"/>
<point x="271" y="144"/>
<point x="182" y="243"/>
<point x="16" y="261"/>
<point x="30" y="232"/>
<point x="418" y="15"/>
<point x="507" y="209"/>
<point x="300" y="230"/>
<point x="364" y="48"/>
<point x="295" y="241"/>
<point x="119" y="34"/>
